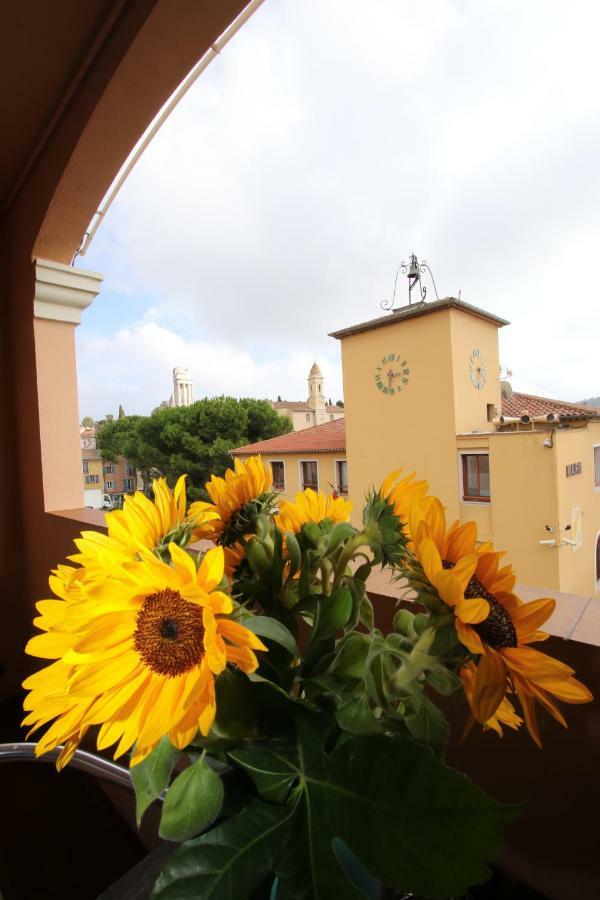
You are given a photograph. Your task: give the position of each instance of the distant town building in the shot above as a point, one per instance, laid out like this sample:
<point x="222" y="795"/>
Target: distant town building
<point x="104" y="484"/>
<point x="91" y="468"/>
<point x="313" y="411"/>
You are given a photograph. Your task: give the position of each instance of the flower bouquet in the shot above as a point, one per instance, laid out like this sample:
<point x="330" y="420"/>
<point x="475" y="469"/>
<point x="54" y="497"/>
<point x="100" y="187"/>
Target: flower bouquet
<point x="297" y="747"/>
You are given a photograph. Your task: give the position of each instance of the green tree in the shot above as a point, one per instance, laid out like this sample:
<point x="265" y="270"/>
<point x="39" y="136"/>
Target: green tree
<point x="87" y="421"/>
<point x="195" y="439"/>
<point x="339" y="403"/>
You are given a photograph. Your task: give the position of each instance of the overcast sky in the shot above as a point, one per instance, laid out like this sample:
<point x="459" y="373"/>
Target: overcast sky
<point x="329" y="140"/>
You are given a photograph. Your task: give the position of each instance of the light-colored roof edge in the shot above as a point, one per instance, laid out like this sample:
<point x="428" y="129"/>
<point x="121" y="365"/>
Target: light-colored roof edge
<point x="417" y="310"/>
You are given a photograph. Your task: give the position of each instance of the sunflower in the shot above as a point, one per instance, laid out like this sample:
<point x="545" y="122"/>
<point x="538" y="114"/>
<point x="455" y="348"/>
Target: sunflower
<point x="493" y="623"/>
<point x="238" y="498"/>
<point x="142" y="526"/>
<point x="504" y="715"/>
<point x="136" y="655"/>
<point x="403" y="493"/>
<point x="311" y="506"/>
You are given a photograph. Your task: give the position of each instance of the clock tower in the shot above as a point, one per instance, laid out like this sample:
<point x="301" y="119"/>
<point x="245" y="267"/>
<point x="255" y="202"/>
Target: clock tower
<point x="413" y="380"/>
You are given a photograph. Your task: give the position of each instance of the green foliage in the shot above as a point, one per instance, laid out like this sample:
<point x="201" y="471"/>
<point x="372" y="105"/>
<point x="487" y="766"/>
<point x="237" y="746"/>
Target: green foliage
<point x="193" y="440"/>
<point x="334" y="784"/>
<point x="193" y="802"/>
<point x="152" y="775"/>
<point x="390" y="800"/>
<point x="87" y="421"/>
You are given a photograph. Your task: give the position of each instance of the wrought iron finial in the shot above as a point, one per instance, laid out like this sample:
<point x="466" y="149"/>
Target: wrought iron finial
<point x="413" y="270"/>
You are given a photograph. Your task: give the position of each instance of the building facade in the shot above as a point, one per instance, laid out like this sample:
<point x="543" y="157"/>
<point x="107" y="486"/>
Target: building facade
<point x="313" y="457"/>
<point x="423" y="393"/>
<point x="313" y="411"/>
<point x="105" y="484"/>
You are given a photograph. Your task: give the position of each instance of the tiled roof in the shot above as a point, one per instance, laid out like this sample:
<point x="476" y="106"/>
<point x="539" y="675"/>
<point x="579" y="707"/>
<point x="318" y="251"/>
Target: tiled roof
<point x="329" y="437"/>
<point x="419" y="309"/>
<point x="302" y="406"/>
<point x="519" y="404"/>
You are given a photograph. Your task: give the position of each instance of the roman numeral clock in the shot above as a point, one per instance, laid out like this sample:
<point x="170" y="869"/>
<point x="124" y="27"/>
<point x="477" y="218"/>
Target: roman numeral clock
<point x="392" y="374"/>
<point x="477" y="369"/>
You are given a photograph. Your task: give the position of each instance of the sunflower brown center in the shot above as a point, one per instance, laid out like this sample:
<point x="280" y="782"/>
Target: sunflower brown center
<point x="169" y="635"/>
<point x="498" y="629"/>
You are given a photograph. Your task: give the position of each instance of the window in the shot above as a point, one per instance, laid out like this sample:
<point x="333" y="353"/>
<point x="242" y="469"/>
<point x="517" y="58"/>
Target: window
<point x="476" y="477"/>
<point x="128" y="484"/>
<point x="92" y="479"/>
<point x="341" y="467"/>
<point x="308" y="417"/>
<point x="331" y="417"/>
<point x="86" y="466"/>
<point x="597" y="466"/>
<point x="278" y="470"/>
<point x="598" y="563"/>
<point x="108" y="470"/>
<point x="309" y="475"/>
<point x="109" y="485"/>
<point x="130" y="471"/>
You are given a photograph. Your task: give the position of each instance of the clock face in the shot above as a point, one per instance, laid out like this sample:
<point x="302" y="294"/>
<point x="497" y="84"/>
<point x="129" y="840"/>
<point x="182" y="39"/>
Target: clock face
<point x="477" y="369"/>
<point x="392" y="374"/>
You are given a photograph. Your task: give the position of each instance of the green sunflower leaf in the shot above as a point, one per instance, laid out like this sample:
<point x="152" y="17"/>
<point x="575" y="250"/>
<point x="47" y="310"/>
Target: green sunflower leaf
<point x="272" y="630"/>
<point x="413" y="823"/>
<point x="229" y="861"/>
<point x="192" y="803"/>
<point x="152" y="775"/>
<point x="271" y="768"/>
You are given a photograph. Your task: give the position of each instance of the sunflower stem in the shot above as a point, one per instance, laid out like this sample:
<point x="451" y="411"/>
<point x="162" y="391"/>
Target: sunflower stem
<point x="416" y="662"/>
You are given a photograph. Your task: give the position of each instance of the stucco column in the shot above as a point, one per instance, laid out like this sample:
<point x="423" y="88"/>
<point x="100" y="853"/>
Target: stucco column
<point x="61" y="293"/>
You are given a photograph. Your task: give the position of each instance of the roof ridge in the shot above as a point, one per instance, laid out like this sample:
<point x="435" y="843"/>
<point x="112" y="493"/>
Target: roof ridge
<point x="581" y="406"/>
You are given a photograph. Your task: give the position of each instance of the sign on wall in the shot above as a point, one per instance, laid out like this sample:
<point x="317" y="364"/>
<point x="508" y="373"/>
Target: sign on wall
<point x="573" y="469"/>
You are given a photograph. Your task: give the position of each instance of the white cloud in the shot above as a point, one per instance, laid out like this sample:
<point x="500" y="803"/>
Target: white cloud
<point x="329" y="140"/>
<point x="137" y="363"/>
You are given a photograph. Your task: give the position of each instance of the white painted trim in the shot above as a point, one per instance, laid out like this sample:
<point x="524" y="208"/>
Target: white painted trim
<point x="62" y="292"/>
<point x="467" y="451"/>
<point x="282" y="461"/>
<point x="596" y="486"/>
<point x="300" y="480"/>
<point x="335" y="475"/>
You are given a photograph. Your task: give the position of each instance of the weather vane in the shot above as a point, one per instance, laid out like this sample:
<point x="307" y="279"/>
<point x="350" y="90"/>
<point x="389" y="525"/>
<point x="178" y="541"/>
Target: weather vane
<point x="413" y="270"/>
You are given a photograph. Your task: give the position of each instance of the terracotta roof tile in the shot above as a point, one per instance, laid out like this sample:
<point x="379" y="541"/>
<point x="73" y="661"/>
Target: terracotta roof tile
<point x="329" y="437"/>
<point x="519" y="404"/>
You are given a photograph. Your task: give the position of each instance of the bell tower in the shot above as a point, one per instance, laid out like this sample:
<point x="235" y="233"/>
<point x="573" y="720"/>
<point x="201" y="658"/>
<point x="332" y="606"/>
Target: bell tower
<point x="414" y="380"/>
<point x="316" y="393"/>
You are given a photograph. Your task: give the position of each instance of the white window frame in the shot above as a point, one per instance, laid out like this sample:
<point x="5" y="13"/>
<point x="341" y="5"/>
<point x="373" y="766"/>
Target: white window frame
<point x="337" y="484"/>
<point x="109" y="469"/>
<point x="282" y="461"/>
<point x="596" y="486"/>
<point x="109" y="485"/>
<point x="300" y="478"/>
<point x="461" y="493"/>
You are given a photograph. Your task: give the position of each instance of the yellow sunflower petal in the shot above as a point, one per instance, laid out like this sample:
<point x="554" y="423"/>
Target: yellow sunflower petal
<point x="489" y="686"/>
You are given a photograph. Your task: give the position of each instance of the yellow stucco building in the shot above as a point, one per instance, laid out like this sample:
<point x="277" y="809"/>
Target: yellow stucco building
<point x="422" y="392"/>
